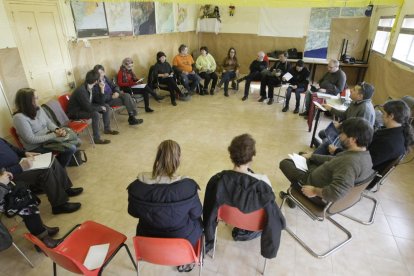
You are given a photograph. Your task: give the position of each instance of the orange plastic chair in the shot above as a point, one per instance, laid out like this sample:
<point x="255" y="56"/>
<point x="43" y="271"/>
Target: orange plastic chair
<point x="16" y="139"/>
<point x="168" y="251"/>
<point x="253" y="221"/>
<point x="78" y="126"/>
<point x="71" y="252"/>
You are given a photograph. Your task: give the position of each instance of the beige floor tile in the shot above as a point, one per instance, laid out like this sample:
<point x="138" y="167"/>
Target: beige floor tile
<point x="204" y="128"/>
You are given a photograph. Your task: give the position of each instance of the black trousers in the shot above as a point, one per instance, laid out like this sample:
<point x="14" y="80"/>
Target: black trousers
<point x="54" y="181"/>
<point x="34" y="224"/>
<point x="254" y="76"/>
<point x="271" y="82"/>
<point x="172" y="87"/>
<point x="207" y="78"/>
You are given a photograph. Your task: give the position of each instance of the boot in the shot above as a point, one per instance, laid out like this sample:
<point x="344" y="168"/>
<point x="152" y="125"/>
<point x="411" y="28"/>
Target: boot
<point x="134" y="121"/>
<point x="51" y="231"/>
<point x="296" y="110"/>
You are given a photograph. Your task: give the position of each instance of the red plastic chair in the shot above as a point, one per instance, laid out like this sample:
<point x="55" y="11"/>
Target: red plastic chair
<point x="253" y="221"/>
<point x="78" y="126"/>
<point x="71" y="252"/>
<point x="16" y="139"/>
<point x="168" y="251"/>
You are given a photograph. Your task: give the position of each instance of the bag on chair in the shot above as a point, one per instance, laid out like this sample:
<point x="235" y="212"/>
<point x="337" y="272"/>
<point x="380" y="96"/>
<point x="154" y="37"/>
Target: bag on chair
<point x="78" y="158"/>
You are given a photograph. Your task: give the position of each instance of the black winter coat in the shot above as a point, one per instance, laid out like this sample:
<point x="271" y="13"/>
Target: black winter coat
<point x="248" y="194"/>
<point x="166" y="210"/>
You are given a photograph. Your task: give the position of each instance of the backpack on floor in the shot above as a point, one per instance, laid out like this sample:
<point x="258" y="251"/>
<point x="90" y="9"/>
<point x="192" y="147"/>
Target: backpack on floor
<point x="78" y="158"/>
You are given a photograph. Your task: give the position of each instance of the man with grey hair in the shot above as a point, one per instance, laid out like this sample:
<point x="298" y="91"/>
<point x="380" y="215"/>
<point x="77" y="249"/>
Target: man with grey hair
<point x="256" y="67"/>
<point x="333" y="82"/>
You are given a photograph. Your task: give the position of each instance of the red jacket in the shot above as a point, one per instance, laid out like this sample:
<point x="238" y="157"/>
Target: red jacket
<point x="130" y="78"/>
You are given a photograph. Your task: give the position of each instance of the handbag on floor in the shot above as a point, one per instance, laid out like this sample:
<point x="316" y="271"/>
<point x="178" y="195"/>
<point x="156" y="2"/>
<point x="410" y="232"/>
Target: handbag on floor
<point x="78" y="158"/>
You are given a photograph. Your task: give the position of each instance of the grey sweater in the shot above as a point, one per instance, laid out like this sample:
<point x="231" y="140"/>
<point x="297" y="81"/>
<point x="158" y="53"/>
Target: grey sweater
<point x="336" y="175"/>
<point x="363" y="109"/>
<point x="334" y="83"/>
<point x="33" y="133"/>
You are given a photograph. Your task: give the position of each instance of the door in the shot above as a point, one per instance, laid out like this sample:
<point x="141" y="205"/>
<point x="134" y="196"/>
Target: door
<point x="5" y="114"/>
<point x="45" y="56"/>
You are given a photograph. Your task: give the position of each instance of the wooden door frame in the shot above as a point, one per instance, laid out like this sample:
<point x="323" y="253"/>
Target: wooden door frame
<point x="65" y="38"/>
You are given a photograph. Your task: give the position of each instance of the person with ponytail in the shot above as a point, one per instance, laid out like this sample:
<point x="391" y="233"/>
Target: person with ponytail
<point x="396" y="138"/>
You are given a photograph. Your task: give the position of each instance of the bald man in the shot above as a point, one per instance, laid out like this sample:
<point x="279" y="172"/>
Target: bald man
<point x="257" y="66"/>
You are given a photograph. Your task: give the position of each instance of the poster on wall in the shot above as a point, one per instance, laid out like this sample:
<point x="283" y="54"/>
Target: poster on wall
<point x="90" y="20"/>
<point x="119" y="19"/>
<point x="143" y="18"/>
<point x="164" y="17"/>
<point x="185" y="17"/>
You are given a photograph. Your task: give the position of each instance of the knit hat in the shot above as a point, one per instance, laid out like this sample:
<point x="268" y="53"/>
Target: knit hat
<point x="300" y="63"/>
<point x="160" y="54"/>
<point x="367" y="90"/>
<point x="127" y="61"/>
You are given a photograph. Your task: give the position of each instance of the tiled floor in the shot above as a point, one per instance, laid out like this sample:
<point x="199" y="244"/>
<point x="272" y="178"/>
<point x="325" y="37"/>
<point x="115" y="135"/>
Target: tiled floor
<point x="204" y="128"/>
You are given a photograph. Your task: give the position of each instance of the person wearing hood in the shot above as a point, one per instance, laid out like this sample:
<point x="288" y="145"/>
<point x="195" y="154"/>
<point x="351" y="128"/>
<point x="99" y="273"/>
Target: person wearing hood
<point x="166" y="204"/>
<point x="361" y="107"/>
<point x="127" y="80"/>
<point x="165" y="75"/>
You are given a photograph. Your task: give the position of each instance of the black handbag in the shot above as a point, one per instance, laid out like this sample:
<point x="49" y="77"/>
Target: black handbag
<point x="78" y="158"/>
<point x="18" y="198"/>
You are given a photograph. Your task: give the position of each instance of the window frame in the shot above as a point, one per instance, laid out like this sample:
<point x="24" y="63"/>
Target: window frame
<point x="409" y="31"/>
<point x="383" y="29"/>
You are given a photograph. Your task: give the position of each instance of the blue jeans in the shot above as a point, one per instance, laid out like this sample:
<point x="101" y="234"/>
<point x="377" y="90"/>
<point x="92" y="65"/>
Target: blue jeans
<point x="194" y="79"/>
<point x="63" y="157"/>
<point x="297" y="93"/>
<point x="226" y="77"/>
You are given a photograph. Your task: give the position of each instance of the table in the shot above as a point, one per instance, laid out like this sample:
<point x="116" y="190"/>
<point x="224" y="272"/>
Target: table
<point x="209" y="25"/>
<point x="334" y="101"/>
<point x="315" y="62"/>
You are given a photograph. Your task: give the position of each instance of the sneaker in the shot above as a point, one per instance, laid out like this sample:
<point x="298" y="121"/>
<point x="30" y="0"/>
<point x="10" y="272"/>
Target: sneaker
<point x="112" y="132"/>
<point x="286" y="108"/>
<point x="244" y="98"/>
<point x="296" y="110"/>
<point x="304" y="113"/>
<point x="261" y="99"/>
<point x="270" y="101"/>
<point x="101" y="141"/>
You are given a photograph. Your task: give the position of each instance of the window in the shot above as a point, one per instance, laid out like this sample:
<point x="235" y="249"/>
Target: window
<point x="404" y="49"/>
<point x="382" y="36"/>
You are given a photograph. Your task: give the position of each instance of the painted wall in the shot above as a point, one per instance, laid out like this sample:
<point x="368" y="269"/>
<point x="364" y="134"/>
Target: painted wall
<point x="7" y="39"/>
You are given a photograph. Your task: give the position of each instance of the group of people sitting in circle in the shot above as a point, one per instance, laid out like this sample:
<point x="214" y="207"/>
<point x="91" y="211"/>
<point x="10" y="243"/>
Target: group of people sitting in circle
<point x="167" y="204"/>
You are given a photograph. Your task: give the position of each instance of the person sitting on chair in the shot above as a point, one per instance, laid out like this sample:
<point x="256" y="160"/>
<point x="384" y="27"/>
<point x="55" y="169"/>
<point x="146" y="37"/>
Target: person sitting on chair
<point x="128" y="82"/>
<point x="333" y="82"/>
<point x="165" y="75"/>
<point x="273" y="77"/>
<point x="183" y="65"/>
<point x="330" y="178"/>
<point x="247" y="191"/>
<point x="206" y="66"/>
<point x="113" y="96"/>
<point x="392" y="141"/>
<point x="361" y="106"/>
<point x="298" y="84"/>
<point x="53" y="180"/>
<point x="81" y="107"/>
<point x="35" y="128"/>
<point x="230" y="71"/>
<point x="171" y="199"/>
<point x="18" y="199"/>
<point x="256" y="68"/>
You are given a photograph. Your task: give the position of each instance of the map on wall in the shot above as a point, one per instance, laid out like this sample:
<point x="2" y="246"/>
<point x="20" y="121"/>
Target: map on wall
<point x="90" y="18"/>
<point x="143" y="18"/>
<point x="164" y="17"/>
<point x="185" y="17"/>
<point x="118" y="16"/>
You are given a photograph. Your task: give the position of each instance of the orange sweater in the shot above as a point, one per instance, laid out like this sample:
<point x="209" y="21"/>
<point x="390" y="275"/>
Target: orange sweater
<point x="184" y="63"/>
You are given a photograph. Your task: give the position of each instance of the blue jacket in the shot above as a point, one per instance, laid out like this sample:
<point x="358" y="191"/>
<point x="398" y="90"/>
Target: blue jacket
<point x="10" y="157"/>
<point x="166" y="210"/>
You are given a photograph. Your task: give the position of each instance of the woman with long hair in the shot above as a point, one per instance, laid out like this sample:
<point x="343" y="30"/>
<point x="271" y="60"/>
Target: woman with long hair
<point x="230" y="70"/>
<point x="35" y="128"/>
<point x="166" y="203"/>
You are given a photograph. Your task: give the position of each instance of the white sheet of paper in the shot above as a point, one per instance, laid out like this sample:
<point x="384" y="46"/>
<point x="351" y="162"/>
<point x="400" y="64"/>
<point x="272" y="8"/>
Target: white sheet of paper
<point x="96" y="256"/>
<point x="319" y="106"/>
<point x="287" y="76"/>
<point x="142" y="85"/>
<point x="41" y="161"/>
<point x="300" y="161"/>
<point x="325" y="95"/>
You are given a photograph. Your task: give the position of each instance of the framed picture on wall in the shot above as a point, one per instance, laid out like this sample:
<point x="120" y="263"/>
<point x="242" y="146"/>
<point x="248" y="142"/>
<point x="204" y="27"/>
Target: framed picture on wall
<point x="143" y="18"/>
<point x="118" y="16"/>
<point x="90" y="19"/>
